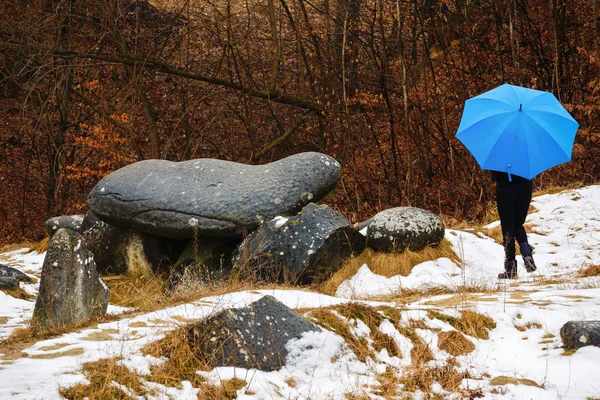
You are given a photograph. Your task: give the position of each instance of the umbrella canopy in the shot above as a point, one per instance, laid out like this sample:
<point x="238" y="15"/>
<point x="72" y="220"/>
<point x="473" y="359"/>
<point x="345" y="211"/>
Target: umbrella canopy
<point x="517" y="130"/>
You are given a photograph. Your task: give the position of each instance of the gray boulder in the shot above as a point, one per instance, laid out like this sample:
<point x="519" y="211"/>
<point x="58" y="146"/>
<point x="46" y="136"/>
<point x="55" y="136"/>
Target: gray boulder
<point x="72" y="222"/>
<point x="576" y="334"/>
<point x="401" y="228"/>
<point x="210" y="197"/>
<point x="307" y="247"/>
<point x="70" y="289"/>
<point x="8" y="283"/>
<point x="251" y="337"/>
<point x="13" y="273"/>
<point x="107" y="243"/>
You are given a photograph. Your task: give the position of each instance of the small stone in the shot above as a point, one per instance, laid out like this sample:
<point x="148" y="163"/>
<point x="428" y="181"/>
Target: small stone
<point x="576" y="334"/>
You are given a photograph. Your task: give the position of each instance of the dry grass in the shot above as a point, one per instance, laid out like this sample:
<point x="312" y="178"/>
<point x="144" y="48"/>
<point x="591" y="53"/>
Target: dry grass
<point x="20" y="293"/>
<point x="328" y="320"/>
<point x="76" y="351"/>
<point x="182" y="362"/>
<point x="388" y="264"/>
<point x="22" y="338"/>
<point x="101" y="374"/>
<point x="455" y="343"/>
<point x="140" y="292"/>
<point x="470" y="323"/>
<point x="147" y="292"/>
<point x="24" y="244"/>
<point x="340" y="318"/>
<point x="529" y="325"/>
<point x="591" y="270"/>
<point x="421" y="378"/>
<point x="31" y="245"/>
<point x="41" y="246"/>
<point x="507" y="380"/>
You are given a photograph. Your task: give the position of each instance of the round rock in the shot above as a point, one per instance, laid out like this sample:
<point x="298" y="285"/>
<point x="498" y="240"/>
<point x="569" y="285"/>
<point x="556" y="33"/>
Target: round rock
<point x="208" y="196"/>
<point x="576" y="334"/>
<point x="72" y="222"/>
<point x="401" y="228"/>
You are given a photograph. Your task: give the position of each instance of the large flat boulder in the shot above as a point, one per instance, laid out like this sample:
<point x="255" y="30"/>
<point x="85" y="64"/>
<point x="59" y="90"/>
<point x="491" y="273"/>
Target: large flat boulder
<point x="70" y="289"/>
<point x="307" y="247"/>
<point x="251" y="337"/>
<point x="210" y="197"/>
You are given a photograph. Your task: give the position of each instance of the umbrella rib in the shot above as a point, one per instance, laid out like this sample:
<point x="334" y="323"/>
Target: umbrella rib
<point x="568" y="118"/>
<point x="479" y="98"/>
<point x="464" y="128"/>
<point x="498" y="140"/>
<point x="534" y="122"/>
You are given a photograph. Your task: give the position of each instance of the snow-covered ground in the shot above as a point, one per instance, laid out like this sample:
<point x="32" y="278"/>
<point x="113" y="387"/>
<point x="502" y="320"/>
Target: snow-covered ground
<point x="525" y="345"/>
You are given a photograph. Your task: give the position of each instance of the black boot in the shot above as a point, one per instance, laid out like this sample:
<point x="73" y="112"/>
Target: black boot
<point x="527" y="254"/>
<point x="510" y="267"/>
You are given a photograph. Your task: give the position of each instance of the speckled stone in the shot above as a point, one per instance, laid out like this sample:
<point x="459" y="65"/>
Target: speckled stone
<point x="401" y="228"/>
<point x="13" y="273"/>
<point x="8" y="283"/>
<point x="308" y="247"/>
<point x="72" y="222"/>
<point x="251" y="337"/>
<point x="576" y="334"/>
<point x="70" y="289"/>
<point x="108" y="244"/>
<point x="210" y="197"/>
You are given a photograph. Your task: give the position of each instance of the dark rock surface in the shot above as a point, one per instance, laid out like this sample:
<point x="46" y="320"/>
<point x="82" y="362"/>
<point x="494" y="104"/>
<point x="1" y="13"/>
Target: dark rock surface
<point x="251" y="337"/>
<point x="203" y="262"/>
<point x="70" y="289"/>
<point x="118" y="250"/>
<point x="210" y="197"/>
<point x="8" y="283"/>
<point x="13" y="273"/>
<point x="307" y="247"/>
<point x="401" y="228"/>
<point x="72" y="222"/>
<point x="108" y="244"/>
<point x="576" y="334"/>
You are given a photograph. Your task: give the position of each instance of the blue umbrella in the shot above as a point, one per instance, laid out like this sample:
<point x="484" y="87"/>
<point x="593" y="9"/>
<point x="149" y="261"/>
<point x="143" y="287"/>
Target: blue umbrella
<point x="517" y="130"/>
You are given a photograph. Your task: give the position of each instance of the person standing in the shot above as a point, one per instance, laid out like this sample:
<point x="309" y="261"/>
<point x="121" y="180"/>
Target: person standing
<point x="513" y="196"/>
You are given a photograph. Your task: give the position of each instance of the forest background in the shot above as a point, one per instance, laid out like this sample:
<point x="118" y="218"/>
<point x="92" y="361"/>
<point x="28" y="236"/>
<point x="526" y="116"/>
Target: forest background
<point x="89" y="86"/>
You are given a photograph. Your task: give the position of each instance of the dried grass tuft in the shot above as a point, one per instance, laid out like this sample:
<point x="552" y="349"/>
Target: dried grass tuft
<point x="102" y="375"/>
<point x="470" y="323"/>
<point x="591" y="270"/>
<point x="388" y="264"/>
<point x="41" y="246"/>
<point x="455" y="343"/>
<point x="141" y="292"/>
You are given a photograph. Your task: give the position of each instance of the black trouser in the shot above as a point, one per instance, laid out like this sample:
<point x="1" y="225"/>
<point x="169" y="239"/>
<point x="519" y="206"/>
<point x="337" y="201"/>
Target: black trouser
<point x="513" y="199"/>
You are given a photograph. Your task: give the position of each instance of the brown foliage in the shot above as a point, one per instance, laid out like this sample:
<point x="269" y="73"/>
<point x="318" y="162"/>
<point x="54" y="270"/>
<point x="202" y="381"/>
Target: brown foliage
<point x="87" y="87"/>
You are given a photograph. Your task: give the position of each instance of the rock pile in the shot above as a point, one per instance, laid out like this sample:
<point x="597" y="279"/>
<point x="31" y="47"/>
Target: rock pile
<point x="200" y="221"/>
